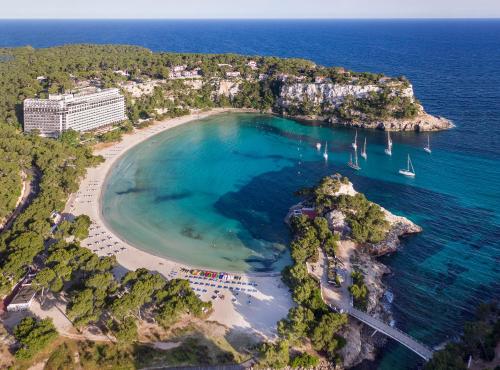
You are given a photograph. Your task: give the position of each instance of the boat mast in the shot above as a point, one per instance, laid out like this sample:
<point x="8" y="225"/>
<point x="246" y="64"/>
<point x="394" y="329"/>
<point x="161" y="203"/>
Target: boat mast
<point x="410" y="165"/>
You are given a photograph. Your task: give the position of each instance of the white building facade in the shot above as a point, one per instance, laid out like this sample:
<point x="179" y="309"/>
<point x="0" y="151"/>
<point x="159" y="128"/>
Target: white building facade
<point x="80" y="112"/>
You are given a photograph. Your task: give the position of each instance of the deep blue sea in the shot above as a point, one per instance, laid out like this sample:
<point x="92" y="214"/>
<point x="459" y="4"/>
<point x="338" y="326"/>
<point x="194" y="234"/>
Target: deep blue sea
<point x="438" y="276"/>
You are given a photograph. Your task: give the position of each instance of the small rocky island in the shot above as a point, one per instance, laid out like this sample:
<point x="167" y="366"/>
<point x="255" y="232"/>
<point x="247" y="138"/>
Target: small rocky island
<point x="337" y="235"/>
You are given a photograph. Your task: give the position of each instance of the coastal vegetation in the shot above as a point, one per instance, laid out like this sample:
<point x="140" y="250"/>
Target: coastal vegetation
<point x="65" y="353"/>
<point x="10" y="173"/>
<point x="33" y="336"/>
<point x="37" y="242"/>
<point x="226" y="80"/>
<point x="59" y="165"/>
<point x="480" y="340"/>
<point x="311" y="323"/>
<point x="96" y="297"/>
<point x="381" y="105"/>
<point x="359" y="290"/>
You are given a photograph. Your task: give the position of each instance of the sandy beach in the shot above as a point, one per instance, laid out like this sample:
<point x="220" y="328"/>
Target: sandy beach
<point x="251" y="303"/>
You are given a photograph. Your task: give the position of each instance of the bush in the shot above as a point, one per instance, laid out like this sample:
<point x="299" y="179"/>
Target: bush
<point x="60" y="359"/>
<point x="304" y="360"/>
<point x="274" y="356"/>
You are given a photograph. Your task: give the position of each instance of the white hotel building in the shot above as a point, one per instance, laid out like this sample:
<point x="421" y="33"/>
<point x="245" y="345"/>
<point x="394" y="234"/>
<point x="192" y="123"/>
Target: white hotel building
<point x="80" y="112"/>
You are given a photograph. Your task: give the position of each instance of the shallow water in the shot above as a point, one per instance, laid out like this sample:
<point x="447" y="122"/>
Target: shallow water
<point x="439" y="275"/>
<point x="214" y="193"/>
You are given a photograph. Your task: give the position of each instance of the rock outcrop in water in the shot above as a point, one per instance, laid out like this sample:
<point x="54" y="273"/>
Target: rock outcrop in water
<point x="400" y="226"/>
<point x="422" y="122"/>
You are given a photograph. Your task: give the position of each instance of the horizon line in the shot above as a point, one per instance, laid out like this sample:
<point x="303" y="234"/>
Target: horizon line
<point x="242" y="18"/>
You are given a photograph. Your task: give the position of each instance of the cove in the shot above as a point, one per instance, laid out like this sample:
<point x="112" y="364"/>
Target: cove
<point x="214" y="193"/>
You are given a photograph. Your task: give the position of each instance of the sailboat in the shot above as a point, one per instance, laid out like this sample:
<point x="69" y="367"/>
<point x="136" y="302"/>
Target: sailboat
<point x="427" y="148"/>
<point x="325" y="153"/>
<point x="355" y="144"/>
<point x="354" y="165"/>
<point x="363" y="152"/>
<point x="388" y="150"/>
<point x="409" y="171"/>
<point x="318" y="146"/>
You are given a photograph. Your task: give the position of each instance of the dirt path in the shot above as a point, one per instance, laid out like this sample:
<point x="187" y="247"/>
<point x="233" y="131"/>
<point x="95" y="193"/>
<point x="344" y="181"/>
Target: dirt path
<point x="28" y="193"/>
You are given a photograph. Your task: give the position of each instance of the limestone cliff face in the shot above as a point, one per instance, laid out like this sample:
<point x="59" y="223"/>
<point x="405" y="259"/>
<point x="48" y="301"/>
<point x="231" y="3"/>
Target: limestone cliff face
<point x="228" y="88"/>
<point x="399" y="227"/>
<point x="329" y="96"/>
<point x="329" y="93"/>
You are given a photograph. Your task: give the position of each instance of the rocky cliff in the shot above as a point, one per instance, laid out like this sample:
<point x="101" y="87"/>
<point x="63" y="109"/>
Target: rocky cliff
<point x="362" y="343"/>
<point x="399" y="227"/>
<point x="332" y="102"/>
<point x="422" y="122"/>
<point x="330" y="93"/>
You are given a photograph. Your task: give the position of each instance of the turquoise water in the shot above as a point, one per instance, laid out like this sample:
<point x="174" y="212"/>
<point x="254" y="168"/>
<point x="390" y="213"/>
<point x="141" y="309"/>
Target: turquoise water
<point x="441" y="275"/>
<point x="214" y="193"/>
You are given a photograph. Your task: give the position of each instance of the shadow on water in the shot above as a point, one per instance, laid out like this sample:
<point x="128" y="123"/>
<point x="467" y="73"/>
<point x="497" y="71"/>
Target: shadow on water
<point x="465" y="237"/>
<point x="173" y="196"/>
<point x="265" y="157"/>
<point x="131" y="191"/>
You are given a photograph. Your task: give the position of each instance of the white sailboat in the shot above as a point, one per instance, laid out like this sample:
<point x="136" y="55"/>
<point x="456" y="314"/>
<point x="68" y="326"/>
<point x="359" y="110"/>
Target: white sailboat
<point x="325" y="153"/>
<point x="388" y="150"/>
<point x="409" y="171"/>
<point x="318" y="146"/>
<point x="354" y="165"/>
<point x="363" y="152"/>
<point x="355" y="143"/>
<point x="427" y="148"/>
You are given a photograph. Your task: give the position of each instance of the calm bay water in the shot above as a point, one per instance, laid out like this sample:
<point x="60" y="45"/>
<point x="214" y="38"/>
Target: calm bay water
<point x="238" y="172"/>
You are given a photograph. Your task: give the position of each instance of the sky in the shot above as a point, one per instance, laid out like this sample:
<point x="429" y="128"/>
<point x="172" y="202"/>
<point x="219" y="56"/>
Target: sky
<point x="204" y="9"/>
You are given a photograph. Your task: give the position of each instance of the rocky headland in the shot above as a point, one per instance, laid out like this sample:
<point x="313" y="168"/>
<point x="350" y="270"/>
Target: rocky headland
<point x="343" y="104"/>
<point x="361" y="341"/>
